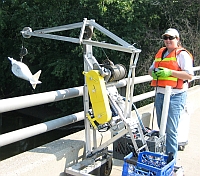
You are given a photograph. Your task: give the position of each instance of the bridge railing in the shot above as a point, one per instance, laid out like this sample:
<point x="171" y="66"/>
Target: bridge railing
<point x="16" y="103"/>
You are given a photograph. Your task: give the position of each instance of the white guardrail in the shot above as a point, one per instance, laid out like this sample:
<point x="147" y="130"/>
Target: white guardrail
<point x="16" y="103"/>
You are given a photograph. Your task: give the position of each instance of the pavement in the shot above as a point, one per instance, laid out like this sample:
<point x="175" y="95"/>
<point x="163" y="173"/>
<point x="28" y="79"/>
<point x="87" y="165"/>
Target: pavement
<point x="189" y="158"/>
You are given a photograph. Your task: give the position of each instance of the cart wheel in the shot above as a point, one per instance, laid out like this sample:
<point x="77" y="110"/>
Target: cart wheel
<point x="106" y="168"/>
<point x="181" y="147"/>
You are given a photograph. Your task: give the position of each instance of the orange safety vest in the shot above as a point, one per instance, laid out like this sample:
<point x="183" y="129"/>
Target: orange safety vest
<point x="170" y="62"/>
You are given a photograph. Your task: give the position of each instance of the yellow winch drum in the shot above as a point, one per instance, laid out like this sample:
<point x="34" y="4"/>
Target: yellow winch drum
<point x="98" y="97"/>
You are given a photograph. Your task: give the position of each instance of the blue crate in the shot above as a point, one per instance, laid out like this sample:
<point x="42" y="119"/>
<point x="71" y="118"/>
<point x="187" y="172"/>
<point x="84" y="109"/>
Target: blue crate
<point x="130" y="168"/>
<point x="148" y="164"/>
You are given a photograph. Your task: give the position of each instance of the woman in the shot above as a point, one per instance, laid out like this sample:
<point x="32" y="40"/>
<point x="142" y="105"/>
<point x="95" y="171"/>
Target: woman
<point x="173" y="66"/>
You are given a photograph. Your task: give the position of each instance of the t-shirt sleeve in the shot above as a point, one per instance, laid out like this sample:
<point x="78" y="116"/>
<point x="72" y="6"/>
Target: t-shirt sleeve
<point x="152" y="66"/>
<point x="185" y="62"/>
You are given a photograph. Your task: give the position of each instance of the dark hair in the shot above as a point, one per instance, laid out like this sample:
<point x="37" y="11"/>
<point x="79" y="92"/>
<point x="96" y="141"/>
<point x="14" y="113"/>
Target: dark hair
<point x="179" y="43"/>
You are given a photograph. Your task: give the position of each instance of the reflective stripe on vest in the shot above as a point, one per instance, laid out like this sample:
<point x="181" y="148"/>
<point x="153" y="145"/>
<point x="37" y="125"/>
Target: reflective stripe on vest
<point x="166" y="59"/>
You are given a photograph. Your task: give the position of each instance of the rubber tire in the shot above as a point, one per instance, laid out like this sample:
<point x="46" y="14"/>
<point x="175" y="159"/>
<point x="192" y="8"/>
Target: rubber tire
<point x="181" y="148"/>
<point x="106" y="168"/>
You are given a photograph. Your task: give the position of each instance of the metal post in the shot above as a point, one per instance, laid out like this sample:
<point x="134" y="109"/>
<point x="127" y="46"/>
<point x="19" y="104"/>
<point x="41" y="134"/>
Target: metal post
<point x="133" y="82"/>
<point x="127" y="102"/>
<point x="165" y="110"/>
<point x="86" y="107"/>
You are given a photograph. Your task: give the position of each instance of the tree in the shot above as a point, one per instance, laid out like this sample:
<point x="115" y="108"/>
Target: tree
<point x="138" y="22"/>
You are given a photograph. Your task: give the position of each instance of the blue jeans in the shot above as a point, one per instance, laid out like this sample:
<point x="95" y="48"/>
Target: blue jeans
<point x="176" y="105"/>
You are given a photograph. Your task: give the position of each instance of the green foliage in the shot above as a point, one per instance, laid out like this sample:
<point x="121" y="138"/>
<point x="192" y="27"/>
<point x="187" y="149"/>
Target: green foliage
<point x="184" y="16"/>
<point x="138" y="22"/>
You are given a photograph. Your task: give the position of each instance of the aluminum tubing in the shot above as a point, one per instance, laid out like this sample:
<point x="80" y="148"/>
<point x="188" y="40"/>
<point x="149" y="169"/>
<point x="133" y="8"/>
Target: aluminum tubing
<point x="34" y="130"/>
<point x="15" y="103"/>
<point x="165" y="110"/>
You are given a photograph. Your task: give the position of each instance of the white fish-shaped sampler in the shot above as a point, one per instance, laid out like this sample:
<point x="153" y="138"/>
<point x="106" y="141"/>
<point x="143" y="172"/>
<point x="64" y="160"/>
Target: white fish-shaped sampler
<point x="21" y="70"/>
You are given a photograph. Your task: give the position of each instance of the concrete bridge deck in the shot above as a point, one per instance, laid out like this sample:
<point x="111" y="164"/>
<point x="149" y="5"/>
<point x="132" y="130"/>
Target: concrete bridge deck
<point x="52" y="158"/>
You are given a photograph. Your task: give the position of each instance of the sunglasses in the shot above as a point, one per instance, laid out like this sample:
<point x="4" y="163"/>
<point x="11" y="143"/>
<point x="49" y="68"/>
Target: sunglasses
<point x="168" y="37"/>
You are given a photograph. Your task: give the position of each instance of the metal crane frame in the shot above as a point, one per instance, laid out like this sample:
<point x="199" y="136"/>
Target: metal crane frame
<point x="93" y="152"/>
